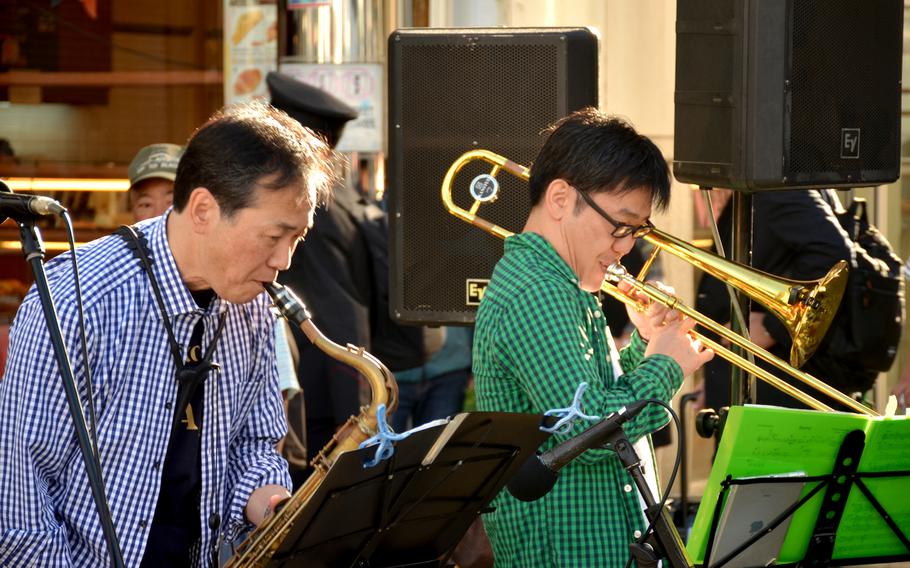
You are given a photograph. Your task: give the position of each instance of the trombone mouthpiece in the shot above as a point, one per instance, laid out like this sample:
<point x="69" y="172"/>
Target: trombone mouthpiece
<point x="616" y="272"/>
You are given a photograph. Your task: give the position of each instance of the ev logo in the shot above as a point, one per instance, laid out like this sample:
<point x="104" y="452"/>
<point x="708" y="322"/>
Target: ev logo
<point x="849" y="142"/>
<point x="475" y="290"/>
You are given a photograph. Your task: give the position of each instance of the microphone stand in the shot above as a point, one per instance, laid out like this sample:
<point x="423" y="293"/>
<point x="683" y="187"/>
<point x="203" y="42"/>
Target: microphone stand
<point x="667" y="543"/>
<point x="33" y="250"/>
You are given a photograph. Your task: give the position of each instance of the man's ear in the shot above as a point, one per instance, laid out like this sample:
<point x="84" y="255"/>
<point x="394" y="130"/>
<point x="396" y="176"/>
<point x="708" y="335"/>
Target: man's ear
<point x="202" y="209"/>
<point x="559" y="199"/>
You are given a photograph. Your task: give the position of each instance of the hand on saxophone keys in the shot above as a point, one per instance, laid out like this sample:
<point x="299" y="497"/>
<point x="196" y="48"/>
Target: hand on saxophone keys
<point x="263" y="503"/>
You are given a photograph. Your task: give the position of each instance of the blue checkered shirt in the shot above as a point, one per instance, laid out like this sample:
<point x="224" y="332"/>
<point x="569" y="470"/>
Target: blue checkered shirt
<point x="47" y="514"/>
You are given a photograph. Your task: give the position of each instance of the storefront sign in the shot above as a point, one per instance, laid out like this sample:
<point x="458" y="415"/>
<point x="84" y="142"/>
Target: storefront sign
<point x="357" y="84"/>
<point x="250" y="48"/>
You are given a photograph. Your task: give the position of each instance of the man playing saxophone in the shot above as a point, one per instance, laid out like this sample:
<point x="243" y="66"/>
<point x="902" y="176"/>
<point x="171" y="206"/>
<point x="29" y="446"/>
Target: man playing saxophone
<point x="181" y="351"/>
<point x="540" y="332"/>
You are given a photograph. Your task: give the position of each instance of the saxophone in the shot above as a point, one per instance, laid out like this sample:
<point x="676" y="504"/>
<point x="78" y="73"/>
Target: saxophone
<point x="258" y="548"/>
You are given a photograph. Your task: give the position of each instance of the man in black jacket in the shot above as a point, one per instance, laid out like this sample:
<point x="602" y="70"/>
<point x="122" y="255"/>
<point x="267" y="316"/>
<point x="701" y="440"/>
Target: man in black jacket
<point x="343" y="277"/>
<point x="795" y="235"/>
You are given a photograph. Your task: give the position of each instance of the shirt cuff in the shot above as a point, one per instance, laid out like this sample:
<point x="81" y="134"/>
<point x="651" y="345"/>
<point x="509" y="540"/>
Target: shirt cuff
<point x="637" y="342"/>
<point x="244" y="488"/>
<point x="657" y="371"/>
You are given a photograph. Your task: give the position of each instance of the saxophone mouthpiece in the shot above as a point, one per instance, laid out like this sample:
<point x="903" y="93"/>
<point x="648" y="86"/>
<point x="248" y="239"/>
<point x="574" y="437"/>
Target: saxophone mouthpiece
<point x="273" y="288"/>
<point x="290" y="306"/>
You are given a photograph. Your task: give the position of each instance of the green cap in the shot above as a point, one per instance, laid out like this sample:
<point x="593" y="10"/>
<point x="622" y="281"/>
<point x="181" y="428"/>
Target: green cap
<point x="155" y="161"/>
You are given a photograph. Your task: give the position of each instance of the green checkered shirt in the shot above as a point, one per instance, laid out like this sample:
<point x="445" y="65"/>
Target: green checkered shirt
<point x="538" y="335"/>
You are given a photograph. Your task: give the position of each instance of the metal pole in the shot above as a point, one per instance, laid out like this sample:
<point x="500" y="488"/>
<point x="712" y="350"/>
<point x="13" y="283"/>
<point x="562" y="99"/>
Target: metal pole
<point x="742" y="385"/>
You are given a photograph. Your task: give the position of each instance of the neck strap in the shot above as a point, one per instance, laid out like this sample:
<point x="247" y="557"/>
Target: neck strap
<point x="137" y="242"/>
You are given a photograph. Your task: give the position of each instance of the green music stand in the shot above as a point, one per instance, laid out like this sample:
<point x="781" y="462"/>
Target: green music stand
<point x="854" y="508"/>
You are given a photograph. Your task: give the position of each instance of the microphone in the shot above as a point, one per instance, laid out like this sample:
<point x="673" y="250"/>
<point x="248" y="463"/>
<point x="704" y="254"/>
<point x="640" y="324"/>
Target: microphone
<point x="538" y="475"/>
<point x="23" y="207"/>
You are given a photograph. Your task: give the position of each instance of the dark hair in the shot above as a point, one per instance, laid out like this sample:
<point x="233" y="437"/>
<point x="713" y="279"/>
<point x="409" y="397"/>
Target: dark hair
<point x="245" y="146"/>
<point x="6" y="149"/>
<point x="595" y="153"/>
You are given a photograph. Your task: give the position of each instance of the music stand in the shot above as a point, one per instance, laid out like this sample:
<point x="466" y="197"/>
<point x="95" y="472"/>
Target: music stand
<point x="412" y="509"/>
<point x="856" y="472"/>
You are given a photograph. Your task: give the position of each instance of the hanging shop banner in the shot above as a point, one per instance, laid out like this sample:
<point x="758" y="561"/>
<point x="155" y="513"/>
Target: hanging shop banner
<point x="250" y="48"/>
<point x="357" y="84"/>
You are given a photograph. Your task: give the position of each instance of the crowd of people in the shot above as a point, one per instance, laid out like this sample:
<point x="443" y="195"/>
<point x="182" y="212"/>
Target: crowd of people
<point x="195" y="385"/>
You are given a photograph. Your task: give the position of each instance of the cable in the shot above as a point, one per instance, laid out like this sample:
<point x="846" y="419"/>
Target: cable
<point x="110" y="532"/>
<point x="676" y="464"/>
<point x="86" y="368"/>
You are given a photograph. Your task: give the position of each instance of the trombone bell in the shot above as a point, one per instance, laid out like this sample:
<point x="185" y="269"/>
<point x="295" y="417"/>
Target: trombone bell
<point x="812" y="324"/>
<point x="806" y="308"/>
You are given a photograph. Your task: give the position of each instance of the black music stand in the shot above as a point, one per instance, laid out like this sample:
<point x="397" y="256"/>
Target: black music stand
<point x="837" y="486"/>
<point x="412" y="509"/>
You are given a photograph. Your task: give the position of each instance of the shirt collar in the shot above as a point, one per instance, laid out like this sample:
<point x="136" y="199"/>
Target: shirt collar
<point x="176" y="296"/>
<point x="543" y="249"/>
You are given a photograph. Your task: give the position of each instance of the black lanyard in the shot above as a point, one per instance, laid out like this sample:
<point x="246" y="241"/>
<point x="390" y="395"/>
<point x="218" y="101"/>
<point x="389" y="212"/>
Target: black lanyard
<point x="191" y="376"/>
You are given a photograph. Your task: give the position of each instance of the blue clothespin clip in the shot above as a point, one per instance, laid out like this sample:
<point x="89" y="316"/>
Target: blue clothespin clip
<point x="384" y="439"/>
<point x="569" y="415"/>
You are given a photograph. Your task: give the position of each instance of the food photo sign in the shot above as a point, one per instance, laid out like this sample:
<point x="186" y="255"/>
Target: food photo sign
<point x="250" y="48"/>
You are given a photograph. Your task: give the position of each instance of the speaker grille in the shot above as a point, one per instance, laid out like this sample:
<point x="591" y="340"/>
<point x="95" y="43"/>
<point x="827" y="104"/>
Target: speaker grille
<point x="774" y="95"/>
<point x="843" y="78"/>
<point x="458" y="93"/>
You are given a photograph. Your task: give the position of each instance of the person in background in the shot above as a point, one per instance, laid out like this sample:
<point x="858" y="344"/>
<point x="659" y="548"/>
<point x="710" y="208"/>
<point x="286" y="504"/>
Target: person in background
<point x="152" y="173"/>
<point x="902" y="389"/>
<point x="435" y="389"/>
<point x="7" y="155"/>
<point x="540" y="333"/>
<point x="795" y="235"/>
<point x="342" y="275"/>
<point x="185" y="390"/>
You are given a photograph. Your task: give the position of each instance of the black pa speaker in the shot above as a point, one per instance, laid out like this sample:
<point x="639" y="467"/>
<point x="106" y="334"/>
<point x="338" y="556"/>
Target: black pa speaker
<point x="774" y="94"/>
<point x="455" y="90"/>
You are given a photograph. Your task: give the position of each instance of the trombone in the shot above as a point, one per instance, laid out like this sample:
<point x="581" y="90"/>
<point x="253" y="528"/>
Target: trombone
<point x="805" y="307"/>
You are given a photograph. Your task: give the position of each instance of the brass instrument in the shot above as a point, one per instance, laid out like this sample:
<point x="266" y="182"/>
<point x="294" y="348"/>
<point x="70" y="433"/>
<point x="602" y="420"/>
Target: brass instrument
<point x="806" y="307"/>
<point x="262" y="543"/>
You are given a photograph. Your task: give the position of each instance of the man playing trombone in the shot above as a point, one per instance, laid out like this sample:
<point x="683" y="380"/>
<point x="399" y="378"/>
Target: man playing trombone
<point x="540" y="332"/>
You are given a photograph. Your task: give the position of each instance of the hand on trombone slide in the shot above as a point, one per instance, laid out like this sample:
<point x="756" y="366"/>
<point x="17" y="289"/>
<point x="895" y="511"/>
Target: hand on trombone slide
<point x="666" y="331"/>
<point x="646" y="315"/>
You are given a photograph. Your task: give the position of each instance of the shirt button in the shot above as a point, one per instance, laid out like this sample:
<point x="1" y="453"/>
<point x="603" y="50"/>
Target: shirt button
<point x="168" y="405"/>
<point x="637" y="534"/>
<point x="157" y="464"/>
<point x="142" y="524"/>
<point x="627" y="488"/>
<point x="597" y="314"/>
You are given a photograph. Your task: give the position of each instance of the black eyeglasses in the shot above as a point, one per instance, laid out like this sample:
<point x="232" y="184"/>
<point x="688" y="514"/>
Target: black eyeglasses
<point x="620" y="230"/>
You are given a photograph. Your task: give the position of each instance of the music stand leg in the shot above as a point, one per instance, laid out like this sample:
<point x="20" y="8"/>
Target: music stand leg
<point x="665" y="542"/>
